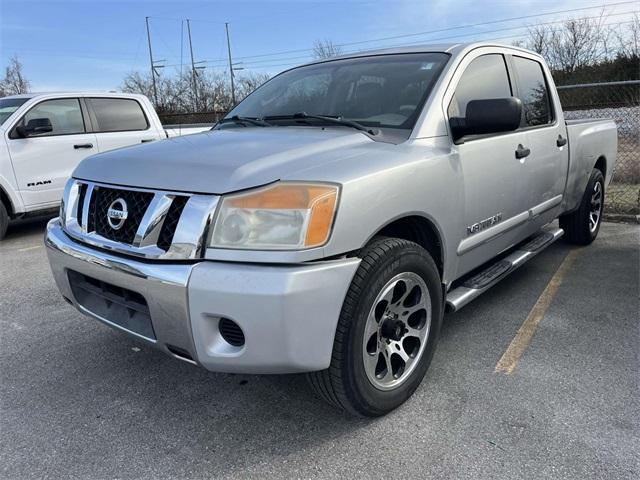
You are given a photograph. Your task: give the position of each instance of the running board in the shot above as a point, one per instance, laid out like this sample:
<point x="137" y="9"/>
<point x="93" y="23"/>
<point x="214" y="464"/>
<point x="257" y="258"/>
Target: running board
<point x="480" y="282"/>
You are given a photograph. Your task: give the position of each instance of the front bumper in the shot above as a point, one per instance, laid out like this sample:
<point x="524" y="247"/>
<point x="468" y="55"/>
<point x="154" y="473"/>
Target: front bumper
<point x="288" y="313"/>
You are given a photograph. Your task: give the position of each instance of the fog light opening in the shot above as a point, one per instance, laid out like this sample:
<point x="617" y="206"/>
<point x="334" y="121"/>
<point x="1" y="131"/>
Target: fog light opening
<point x="231" y="332"/>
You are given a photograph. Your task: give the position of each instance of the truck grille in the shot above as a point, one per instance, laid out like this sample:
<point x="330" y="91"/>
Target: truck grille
<point x="154" y="220"/>
<point x="171" y="222"/>
<point x="82" y="191"/>
<point x="137" y="204"/>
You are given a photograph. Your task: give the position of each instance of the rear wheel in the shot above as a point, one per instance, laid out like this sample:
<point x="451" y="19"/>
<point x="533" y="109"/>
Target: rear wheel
<point x="582" y="226"/>
<point x="4" y="221"/>
<point x="387" y="330"/>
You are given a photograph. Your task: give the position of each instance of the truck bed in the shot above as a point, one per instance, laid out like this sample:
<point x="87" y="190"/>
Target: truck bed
<point x="589" y="139"/>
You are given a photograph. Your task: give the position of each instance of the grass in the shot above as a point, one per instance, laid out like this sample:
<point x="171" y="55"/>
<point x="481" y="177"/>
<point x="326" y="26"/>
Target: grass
<point x="623" y="198"/>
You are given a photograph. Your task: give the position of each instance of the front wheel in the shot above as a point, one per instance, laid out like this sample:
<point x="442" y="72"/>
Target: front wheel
<point x="387" y="330"/>
<point x="4" y="220"/>
<point x="582" y="226"/>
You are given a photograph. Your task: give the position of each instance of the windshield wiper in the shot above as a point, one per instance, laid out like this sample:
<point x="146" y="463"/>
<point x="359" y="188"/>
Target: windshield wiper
<point x="333" y="120"/>
<point x="244" y="120"/>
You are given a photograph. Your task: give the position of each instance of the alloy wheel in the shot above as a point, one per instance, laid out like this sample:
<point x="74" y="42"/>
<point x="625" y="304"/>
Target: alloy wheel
<point x="596" y="207"/>
<point x="396" y="330"/>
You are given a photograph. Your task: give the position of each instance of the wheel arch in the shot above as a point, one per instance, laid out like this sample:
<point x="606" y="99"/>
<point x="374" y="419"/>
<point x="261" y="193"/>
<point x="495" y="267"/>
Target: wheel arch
<point x="6" y="201"/>
<point x="601" y="164"/>
<point x="419" y="229"/>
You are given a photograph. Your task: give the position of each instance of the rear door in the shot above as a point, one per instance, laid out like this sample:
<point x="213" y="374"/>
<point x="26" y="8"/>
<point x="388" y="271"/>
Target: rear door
<point x="43" y="163"/>
<point x="119" y="122"/>
<point x="547" y="164"/>
<point x="495" y="211"/>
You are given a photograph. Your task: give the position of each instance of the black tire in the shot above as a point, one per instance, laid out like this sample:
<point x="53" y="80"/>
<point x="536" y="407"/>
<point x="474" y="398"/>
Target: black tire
<point x="577" y="226"/>
<point x="345" y="383"/>
<point x="4" y="221"/>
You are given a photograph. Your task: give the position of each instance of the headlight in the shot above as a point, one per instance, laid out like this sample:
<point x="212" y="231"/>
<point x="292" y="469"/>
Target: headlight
<point x="283" y="216"/>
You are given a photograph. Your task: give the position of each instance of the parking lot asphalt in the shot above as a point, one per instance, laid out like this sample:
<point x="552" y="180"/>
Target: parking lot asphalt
<point x="79" y="400"/>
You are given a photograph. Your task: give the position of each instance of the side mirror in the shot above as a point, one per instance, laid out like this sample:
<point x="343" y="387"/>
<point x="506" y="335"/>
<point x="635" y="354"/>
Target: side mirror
<point x="35" y="126"/>
<point x="493" y="115"/>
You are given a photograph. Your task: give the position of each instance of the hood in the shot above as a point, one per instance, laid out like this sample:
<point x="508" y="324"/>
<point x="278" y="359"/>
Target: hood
<point x="222" y="161"/>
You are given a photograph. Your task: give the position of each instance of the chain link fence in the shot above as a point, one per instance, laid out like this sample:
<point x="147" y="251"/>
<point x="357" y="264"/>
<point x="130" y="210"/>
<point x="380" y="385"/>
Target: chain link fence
<point x="621" y="102"/>
<point x="190" y="118"/>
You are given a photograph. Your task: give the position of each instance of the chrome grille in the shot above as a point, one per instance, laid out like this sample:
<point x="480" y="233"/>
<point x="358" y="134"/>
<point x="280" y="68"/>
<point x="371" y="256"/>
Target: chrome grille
<point x="82" y="190"/>
<point x="103" y="197"/>
<point x="171" y="222"/>
<point x="160" y="225"/>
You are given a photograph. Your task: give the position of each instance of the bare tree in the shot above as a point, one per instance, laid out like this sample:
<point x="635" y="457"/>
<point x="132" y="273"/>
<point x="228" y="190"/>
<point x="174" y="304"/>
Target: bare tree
<point x="248" y="82"/>
<point x="14" y="81"/>
<point x="175" y="94"/>
<point x="539" y="39"/>
<point x="325" y="49"/>
<point x="628" y="38"/>
<point x="135" y="82"/>
<point x="577" y="43"/>
<point x="581" y="42"/>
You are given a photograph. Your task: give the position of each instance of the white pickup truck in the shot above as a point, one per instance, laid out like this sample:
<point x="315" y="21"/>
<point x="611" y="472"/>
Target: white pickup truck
<point x="45" y="136"/>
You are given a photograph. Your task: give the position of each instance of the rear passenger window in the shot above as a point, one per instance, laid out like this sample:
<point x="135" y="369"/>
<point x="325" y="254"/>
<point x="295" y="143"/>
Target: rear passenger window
<point x="118" y="114"/>
<point x="533" y="92"/>
<point x="486" y="77"/>
<point x="64" y="113"/>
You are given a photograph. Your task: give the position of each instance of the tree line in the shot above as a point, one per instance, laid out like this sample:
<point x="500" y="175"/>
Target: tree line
<point x="587" y="50"/>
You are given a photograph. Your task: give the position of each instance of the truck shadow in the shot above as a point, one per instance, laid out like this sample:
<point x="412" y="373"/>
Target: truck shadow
<point x="19" y="229"/>
<point x="112" y="397"/>
<point x="106" y="384"/>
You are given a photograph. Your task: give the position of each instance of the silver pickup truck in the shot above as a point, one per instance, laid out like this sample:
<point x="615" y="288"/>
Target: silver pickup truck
<point x="329" y="220"/>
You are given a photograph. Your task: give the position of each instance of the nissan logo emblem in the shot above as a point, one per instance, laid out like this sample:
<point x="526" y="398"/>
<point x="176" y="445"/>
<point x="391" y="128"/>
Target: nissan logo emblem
<point x="117" y="213"/>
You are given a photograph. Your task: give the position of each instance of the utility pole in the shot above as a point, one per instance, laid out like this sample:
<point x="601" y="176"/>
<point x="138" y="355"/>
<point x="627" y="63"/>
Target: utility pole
<point x="193" y="67"/>
<point x="233" y="89"/>
<point x="153" y="71"/>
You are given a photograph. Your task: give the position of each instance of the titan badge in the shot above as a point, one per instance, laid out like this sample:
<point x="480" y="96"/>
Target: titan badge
<point x="486" y="223"/>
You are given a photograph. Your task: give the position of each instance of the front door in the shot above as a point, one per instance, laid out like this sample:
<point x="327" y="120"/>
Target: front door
<point x="43" y="163"/>
<point x="495" y="212"/>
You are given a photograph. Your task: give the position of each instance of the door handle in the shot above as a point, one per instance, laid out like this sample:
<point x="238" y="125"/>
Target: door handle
<point x="146" y="140"/>
<point x="561" y="142"/>
<point x="522" y="152"/>
<point x="83" y="145"/>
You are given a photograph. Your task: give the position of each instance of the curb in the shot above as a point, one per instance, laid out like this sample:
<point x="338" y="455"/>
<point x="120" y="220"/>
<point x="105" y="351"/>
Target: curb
<point x="621" y="217"/>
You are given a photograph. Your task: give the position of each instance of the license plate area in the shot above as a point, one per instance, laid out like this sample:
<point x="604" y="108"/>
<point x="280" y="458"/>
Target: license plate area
<point x="116" y="305"/>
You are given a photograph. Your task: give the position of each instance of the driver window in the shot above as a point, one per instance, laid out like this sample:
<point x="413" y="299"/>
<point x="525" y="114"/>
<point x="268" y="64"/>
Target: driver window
<point x="307" y="94"/>
<point x="486" y="77"/>
<point x="64" y="113"/>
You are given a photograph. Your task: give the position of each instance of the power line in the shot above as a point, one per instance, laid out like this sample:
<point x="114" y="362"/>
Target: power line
<point x="492" y="22"/>
<point x="221" y="59"/>
<point x="291" y="64"/>
<point x="252" y="64"/>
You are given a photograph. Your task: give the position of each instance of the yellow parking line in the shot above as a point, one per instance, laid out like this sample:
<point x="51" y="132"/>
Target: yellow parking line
<point x="29" y="248"/>
<point x="520" y="342"/>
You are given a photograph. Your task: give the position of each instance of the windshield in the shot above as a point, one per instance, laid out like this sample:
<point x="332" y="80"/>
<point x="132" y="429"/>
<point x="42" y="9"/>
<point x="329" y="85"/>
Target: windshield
<point x="10" y="105"/>
<point x="385" y="91"/>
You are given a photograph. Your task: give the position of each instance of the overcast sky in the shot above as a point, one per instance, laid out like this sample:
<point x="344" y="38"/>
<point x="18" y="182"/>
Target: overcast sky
<point x="93" y="44"/>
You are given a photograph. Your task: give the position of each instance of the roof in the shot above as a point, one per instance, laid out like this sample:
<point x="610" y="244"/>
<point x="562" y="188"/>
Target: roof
<point x="74" y="94"/>
<point x="452" y="48"/>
